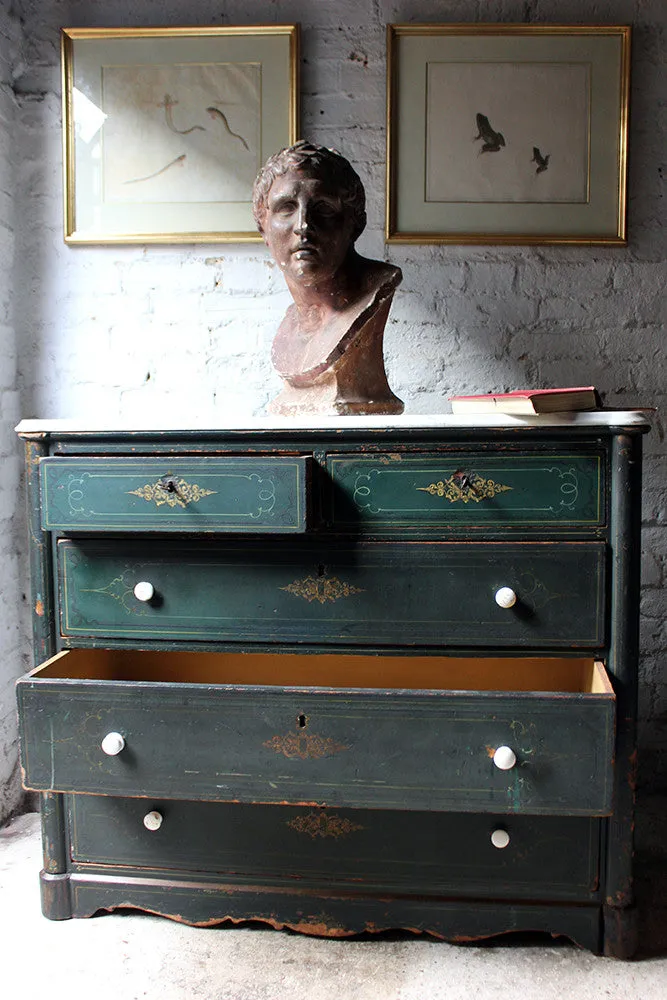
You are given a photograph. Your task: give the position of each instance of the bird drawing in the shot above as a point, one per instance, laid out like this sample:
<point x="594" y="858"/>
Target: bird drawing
<point x="541" y="161"/>
<point x="492" y="141"/>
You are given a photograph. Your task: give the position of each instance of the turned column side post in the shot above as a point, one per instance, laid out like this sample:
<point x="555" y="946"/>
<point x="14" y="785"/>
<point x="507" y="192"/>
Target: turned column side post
<point x="625" y="541"/>
<point x="54" y="878"/>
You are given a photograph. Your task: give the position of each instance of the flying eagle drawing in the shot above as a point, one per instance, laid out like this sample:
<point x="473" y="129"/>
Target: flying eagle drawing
<point x="492" y="140"/>
<point x="541" y="161"/>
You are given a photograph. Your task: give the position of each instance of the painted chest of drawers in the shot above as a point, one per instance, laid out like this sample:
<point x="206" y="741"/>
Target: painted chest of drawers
<point x="351" y="677"/>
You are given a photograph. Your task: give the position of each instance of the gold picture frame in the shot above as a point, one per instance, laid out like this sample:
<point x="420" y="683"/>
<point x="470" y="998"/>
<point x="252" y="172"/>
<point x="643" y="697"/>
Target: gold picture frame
<point x="507" y="133"/>
<point x="165" y="129"/>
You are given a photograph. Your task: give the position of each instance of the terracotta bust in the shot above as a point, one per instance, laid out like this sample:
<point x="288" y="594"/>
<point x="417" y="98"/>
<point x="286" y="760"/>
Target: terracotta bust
<point x="309" y="205"/>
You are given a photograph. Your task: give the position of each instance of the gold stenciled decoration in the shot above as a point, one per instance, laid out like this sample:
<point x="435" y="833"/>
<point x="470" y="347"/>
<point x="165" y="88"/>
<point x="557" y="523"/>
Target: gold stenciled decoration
<point x="306" y="746"/>
<point x="321" y="824"/>
<point x="180" y="495"/>
<point x="465" y="489"/>
<point x="321" y="588"/>
<point x="123" y="592"/>
<point x="535" y="592"/>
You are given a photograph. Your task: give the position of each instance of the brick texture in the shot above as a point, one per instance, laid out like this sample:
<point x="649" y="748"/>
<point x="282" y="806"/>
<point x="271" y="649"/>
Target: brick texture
<point x="133" y="331"/>
<point x="12" y="579"/>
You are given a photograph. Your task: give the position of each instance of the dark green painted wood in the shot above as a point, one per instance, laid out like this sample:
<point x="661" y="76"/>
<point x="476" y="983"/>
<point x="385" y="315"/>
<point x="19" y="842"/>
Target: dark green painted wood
<point x="331" y="912"/>
<point x="44" y="617"/>
<point x="623" y="658"/>
<point x="621" y="931"/>
<point x="388" y="749"/>
<point x="465" y="490"/>
<point x="217" y="493"/>
<point x="41" y="570"/>
<point x="202" y="897"/>
<point x="56" y="896"/>
<point x="55" y="848"/>
<point x="438" y="593"/>
<point x="430" y="853"/>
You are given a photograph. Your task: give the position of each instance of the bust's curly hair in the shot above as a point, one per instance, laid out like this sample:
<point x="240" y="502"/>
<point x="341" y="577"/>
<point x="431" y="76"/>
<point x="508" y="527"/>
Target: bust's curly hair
<point x="312" y="160"/>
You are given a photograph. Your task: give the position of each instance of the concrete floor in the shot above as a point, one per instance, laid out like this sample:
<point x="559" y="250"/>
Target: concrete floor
<point x="138" y="957"/>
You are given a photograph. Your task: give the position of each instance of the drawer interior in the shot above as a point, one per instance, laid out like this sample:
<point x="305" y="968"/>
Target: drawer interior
<point x="583" y="675"/>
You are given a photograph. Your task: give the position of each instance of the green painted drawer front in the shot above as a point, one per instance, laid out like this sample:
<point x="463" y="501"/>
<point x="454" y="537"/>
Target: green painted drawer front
<point x="374" y="592"/>
<point x="430" y="853"/>
<point x="392" y="749"/>
<point x="174" y="494"/>
<point x="466" y="490"/>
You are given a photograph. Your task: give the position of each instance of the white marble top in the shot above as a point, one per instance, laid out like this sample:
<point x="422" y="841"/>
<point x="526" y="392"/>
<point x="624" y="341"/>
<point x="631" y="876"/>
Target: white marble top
<point x="581" y="419"/>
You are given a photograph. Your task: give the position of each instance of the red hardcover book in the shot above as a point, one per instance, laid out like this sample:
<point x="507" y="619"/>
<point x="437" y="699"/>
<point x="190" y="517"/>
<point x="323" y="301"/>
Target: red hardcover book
<point x="529" y="401"/>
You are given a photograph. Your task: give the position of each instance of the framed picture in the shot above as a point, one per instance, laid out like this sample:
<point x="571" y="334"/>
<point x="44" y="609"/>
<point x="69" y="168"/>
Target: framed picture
<point x="507" y="133"/>
<point x="165" y="129"/>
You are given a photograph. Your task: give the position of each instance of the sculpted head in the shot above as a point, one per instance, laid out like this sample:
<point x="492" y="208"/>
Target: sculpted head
<point x="309" y="205"/>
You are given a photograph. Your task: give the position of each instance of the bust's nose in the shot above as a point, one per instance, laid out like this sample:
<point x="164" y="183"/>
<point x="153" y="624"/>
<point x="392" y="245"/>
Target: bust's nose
<point x="302" y="219"/>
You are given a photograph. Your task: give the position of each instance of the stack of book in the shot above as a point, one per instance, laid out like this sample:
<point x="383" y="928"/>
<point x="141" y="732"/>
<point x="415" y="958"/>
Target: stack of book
<point x="528" y="401"/>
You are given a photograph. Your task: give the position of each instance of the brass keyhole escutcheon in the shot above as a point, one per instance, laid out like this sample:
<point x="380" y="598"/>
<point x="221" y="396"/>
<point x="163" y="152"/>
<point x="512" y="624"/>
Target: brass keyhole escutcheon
<point x="465" y="480"/>
<point x="302" y="721"/>
<point x="169" y="484"/>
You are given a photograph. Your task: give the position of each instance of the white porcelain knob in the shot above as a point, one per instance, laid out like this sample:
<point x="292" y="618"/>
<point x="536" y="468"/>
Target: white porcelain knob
<point x="153" y="820"/>
<point x="500" y="839"/>
<point x="505" y="597"/>
<point x="504" y="758"/>
<point x="112" y="744"/>
<point x="144" y="591"/>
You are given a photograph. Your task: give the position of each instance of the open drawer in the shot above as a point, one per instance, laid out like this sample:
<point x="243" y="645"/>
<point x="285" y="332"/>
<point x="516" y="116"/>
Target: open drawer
<point x="488" y="734"/>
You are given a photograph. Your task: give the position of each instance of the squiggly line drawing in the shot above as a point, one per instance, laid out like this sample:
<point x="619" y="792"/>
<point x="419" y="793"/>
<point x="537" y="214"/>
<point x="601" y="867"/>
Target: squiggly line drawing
<point x="168" y="103"/>
<point x="136" y="180"/>
<point x="217" y="113"/>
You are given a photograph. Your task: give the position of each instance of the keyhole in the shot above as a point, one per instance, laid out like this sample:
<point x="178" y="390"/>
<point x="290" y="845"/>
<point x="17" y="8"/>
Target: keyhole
<point x="168" y="484"/>
<point x="464" y="481"/>
<point x="320" y="569"/>
<point x="301" y="721"/>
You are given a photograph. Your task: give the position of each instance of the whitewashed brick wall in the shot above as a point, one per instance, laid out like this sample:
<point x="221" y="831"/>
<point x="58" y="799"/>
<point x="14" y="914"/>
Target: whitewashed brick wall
<point x="11" y="533"/>
<point x="147" y="332"/>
